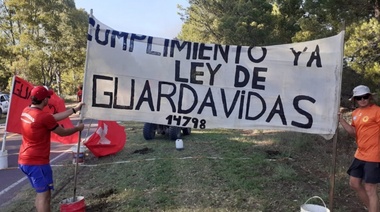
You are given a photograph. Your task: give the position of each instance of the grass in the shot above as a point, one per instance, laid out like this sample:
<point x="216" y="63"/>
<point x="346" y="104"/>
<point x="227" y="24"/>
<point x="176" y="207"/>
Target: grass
<point x="218" y="170"/>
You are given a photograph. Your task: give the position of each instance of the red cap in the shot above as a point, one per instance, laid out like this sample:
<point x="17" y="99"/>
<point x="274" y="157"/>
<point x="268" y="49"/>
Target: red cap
<point x="40" y="92"/>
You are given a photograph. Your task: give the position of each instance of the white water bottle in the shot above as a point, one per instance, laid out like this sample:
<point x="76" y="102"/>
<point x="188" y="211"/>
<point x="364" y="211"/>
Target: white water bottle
<point x="179" y="144"/>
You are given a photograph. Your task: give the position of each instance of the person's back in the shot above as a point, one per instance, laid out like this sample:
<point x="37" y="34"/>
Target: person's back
<point x="36" y="126"/>
<point x="34" y="153"/>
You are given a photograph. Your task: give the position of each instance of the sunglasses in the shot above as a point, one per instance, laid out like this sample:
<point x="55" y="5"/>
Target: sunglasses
<point x="362" y="97"/>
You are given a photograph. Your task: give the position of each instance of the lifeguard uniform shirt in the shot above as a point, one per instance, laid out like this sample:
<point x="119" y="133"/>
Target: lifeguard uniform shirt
<point x="36" y="127"/>
<point x="367" y="125"/>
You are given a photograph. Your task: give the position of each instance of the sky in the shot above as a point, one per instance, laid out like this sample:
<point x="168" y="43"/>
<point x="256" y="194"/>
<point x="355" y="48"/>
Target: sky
<point x="156" y="18"/>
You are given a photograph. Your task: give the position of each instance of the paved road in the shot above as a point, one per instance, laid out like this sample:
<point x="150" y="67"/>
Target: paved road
<point x="12" y="179"/>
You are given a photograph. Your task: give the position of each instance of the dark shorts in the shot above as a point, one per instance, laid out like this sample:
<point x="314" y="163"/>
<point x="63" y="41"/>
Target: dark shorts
<point x="40" y="176"/>
<point x="368" y="171"/>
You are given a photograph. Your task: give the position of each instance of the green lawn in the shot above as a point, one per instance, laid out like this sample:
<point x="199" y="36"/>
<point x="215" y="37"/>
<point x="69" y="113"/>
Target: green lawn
<point x="218" y="170"/>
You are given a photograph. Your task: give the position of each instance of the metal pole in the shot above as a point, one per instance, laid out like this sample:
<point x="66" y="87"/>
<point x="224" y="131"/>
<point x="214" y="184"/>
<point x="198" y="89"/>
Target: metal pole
<point x="3" y="144"/>
<point x="9" y="111"/>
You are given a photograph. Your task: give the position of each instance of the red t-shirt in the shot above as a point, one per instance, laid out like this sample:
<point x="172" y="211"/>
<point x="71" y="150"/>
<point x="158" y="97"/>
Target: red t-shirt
<point x="79" y="95"/>
<point x="367" y="126"/>
<point x="36" y="126"/>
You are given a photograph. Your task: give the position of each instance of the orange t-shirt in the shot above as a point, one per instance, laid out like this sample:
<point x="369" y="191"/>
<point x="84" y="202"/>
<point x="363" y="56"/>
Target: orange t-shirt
<point x="36" y="127"/>
<point x="367" y="125"/>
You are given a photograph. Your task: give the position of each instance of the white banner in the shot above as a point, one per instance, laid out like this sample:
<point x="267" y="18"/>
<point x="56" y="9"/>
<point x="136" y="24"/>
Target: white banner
<point x="293" y="87"/>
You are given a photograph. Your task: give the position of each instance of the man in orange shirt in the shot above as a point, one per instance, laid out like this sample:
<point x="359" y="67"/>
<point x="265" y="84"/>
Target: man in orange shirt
<point x="34" y="154"/>
<point x="365" y="127"/>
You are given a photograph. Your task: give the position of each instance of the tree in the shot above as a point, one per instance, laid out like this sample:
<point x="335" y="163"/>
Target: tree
<point x="323" y="18"/>
<point x="257" y="22"/>
<point x="362" y="50"/>
<point x="47" y="40"/>
<point x="4" y="76"/>
<point x="242" y="22"/>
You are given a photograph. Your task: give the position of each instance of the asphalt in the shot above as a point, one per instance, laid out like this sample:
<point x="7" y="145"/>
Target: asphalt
<point x="12" y="179"/>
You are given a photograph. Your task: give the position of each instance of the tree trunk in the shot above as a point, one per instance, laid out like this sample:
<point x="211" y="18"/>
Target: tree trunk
<point x="58" y="78"/>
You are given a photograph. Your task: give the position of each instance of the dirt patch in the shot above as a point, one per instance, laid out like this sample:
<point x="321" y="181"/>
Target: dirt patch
<point x="143" y="151"/>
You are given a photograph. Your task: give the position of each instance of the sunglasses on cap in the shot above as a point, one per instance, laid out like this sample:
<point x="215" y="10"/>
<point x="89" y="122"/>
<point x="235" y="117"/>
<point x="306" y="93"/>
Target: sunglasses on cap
<point x="362" y="97"/>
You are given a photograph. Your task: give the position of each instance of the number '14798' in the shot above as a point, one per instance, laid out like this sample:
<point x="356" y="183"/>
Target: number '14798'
<point x="185" y="120"/>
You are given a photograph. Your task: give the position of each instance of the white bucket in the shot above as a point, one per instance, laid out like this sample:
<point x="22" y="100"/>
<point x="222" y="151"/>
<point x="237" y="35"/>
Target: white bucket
<point x="3" y="159"/>
<point x="81" y="155"/>
<point x="179" y="144"/>
<point x="314" y="208"/>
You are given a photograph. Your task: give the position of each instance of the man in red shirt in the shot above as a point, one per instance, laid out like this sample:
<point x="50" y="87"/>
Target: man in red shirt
<point x="365" y="127"/>
<point x="34" y="151"/>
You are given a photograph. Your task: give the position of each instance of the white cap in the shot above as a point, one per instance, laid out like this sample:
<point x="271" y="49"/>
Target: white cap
<point x="360" y="90"/>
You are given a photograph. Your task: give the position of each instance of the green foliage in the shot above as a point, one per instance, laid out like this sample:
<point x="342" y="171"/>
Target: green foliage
<point x="323" y="18"/>
<point x="46" y="41"/>
<point x="362" y="50"/>
<point x="260" y="22"/>
<point x="237" y="22"/>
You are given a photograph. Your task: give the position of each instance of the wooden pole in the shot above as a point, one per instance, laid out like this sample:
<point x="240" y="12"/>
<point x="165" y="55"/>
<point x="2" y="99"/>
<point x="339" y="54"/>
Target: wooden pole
<point x="81" y="121"/>
<point x="332" y="175"/>
<point x="335" y="138"/>
<point x="76" y="164"/>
